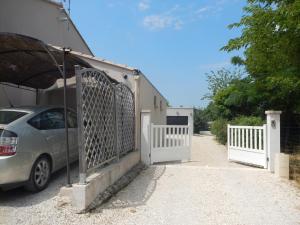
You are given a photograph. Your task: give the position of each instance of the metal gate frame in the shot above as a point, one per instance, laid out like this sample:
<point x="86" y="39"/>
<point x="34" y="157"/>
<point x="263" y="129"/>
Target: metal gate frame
<point x="106" y="120"/>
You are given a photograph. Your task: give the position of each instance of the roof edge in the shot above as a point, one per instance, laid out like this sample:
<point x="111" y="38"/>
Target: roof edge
<point x="91" y="57"/>
<point x="141" y="73"/>
<point x="60" y="5"/>
<point x="53" y="2"/>
<point x="122" y="66"/>
<point x="77" y="31"/>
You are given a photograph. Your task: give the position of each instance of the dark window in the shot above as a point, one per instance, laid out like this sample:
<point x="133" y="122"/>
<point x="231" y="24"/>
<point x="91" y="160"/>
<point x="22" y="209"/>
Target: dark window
<point x="49" y="120"/>
<point x="72" y="119"/>
<point x="7" y="134"/>
<point x="7" y="117"/>
<point x="155" y="102"/>
<point x="177" y="120"/>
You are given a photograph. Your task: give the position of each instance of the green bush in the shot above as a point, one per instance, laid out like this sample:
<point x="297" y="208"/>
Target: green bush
<point x="219" y="129"/>
<point x="219" y="126"/>
<point x="247" y="121"/>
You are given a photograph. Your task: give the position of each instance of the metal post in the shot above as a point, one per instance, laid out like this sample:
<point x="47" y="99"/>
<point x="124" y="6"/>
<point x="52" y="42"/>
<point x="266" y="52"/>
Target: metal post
<point x="36" y="96"/>
<point x="116" y="123"/>
<point x="82" y="159"/>
<point x="65" y="52"/>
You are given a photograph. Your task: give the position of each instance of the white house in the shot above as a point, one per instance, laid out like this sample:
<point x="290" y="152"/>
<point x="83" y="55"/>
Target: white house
<point x="48" y="21"/>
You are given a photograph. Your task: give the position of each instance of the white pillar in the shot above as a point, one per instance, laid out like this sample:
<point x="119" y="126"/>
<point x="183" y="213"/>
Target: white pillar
<point x="137" y="113"/>
<point x="273" y="137"/>
<point x="282" y="165"/>
<point x="145" y="137"/>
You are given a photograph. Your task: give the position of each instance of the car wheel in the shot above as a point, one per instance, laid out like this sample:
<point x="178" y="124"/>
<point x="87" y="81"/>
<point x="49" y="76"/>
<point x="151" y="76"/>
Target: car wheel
<point x="40" y="175"/>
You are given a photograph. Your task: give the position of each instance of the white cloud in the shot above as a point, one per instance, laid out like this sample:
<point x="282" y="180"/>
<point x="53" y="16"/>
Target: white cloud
<point x="199" y="12"/>
<point x="178" y="15"/>
<point x="167" y="19"/>
<point x="178" y="25"/>
<point x="143" y="5"/>
<point x="159" y="22"/>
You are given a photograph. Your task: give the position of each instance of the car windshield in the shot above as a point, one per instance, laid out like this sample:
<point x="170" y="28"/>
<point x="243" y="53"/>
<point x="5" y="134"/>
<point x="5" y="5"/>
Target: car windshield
<point x="8" y="116"/>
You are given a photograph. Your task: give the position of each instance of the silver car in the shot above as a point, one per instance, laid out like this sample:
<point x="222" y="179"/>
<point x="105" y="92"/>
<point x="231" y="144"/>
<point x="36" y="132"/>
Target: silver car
<point x="32" y="145"/>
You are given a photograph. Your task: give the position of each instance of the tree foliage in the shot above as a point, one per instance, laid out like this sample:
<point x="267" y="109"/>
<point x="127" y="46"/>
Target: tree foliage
<point x="270" y="37"/>
<point x="271" y="43"/>
<point x="220" y="79"/>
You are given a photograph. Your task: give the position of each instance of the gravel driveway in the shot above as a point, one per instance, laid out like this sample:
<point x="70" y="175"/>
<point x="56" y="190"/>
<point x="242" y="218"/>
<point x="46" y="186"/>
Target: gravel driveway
<point x="208" y="190"/>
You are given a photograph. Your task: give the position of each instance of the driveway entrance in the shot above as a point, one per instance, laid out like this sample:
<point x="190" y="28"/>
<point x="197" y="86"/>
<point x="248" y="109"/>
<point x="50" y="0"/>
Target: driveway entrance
<point x="208" y="190"/>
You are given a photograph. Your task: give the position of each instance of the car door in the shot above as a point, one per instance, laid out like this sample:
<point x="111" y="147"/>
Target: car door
<point x="51" y="125"/>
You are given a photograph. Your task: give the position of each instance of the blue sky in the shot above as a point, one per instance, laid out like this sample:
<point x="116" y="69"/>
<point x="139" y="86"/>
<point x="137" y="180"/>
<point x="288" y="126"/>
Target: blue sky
<point x="174" y="42"/>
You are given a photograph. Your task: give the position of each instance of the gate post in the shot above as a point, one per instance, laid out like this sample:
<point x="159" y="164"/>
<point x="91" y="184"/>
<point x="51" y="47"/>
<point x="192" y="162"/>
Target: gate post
<point x="145" y="137"/>
<point x="82" y="160"/>
<point x="273" y="137"/>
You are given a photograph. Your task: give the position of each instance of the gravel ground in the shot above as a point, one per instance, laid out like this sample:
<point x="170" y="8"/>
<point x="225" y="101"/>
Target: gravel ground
<point x="208" y="190"/>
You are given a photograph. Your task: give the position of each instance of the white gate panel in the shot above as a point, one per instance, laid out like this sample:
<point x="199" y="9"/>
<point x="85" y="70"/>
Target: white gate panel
<point x="170" y="143"/>
<point x="248" y="144"/>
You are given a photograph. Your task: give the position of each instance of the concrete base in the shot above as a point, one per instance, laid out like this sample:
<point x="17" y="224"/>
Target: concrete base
<point x="282" y="165"/>
<point x="82" y="195"/>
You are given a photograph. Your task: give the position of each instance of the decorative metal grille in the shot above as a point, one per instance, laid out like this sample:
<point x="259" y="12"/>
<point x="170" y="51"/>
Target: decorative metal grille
<point x="125" y="118"/>
<point x="105" y="119"/>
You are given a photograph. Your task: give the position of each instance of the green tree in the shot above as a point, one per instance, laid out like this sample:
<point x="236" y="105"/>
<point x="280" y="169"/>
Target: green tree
<point x="202" y="116"/>
<point x="220" y="79"/>
<point x="271" y="42"/>
<point x="239" y="98"/>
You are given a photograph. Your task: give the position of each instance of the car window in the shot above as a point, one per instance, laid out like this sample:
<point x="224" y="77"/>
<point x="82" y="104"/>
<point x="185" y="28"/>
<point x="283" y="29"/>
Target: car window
<point x="48" y="120"/>
<point x="8" y="116"/>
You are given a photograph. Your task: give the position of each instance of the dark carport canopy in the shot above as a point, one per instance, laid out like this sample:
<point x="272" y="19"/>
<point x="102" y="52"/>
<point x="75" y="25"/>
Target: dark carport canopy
<point x="25" y="61"/>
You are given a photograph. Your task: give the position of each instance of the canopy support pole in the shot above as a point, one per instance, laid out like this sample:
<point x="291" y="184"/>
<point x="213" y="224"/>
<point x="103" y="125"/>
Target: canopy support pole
<point x="65" y="52"/>
<point x="36" y="96"/>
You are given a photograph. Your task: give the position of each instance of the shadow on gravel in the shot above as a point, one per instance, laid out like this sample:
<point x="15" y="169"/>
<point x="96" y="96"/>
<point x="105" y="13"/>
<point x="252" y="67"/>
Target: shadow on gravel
<point x="138" y="192"/>
<point x="19" y="197"/>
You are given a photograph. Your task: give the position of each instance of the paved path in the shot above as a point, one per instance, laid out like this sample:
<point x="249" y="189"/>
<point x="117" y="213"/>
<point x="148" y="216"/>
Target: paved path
<point x="207" y="152"/>
<point x="208" y="190"/>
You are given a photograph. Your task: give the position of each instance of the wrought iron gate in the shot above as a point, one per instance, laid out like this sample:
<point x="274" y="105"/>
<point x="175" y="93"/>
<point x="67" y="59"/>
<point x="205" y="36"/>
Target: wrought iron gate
<point x="125" y="118"/>
<point x="106" y="120"/>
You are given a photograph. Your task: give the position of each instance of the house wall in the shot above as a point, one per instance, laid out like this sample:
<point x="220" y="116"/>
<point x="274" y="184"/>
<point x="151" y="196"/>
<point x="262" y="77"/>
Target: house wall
<point x="56" y="97"/>
<point x="41" y="19"/>
<point x="147" y="94"/>
<point x="16" y="96"/>
<point x="189" y="112"/>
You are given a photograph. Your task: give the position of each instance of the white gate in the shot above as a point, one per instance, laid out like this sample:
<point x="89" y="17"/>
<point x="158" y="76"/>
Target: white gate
<point x="170" y="143"/>
<point x="248" y="144"/>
